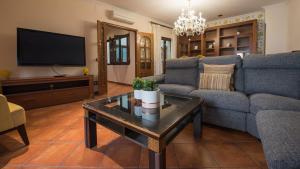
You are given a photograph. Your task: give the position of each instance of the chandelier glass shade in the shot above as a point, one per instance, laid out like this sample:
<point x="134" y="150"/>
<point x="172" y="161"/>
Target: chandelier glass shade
<point x="189" y="24"/>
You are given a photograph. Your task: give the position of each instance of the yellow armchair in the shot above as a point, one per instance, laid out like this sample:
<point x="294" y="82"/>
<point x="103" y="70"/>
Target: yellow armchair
<point x="12" y="117"/>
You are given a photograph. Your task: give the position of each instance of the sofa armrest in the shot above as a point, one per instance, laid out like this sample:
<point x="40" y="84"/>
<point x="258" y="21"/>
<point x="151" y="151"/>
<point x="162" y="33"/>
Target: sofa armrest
<point x="159" y="79"/>
<point x="5" y="115"/>
<point x="280" y="135"/>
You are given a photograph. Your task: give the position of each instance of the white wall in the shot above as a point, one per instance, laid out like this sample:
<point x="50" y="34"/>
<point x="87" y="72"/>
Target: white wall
<point x="294" y="24"/>
<point x="276" y="17"/>
<point x="282" y="27"/>
<point x="75" y="17"/>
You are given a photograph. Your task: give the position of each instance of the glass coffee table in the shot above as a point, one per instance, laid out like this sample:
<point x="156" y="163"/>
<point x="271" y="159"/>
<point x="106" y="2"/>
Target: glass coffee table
<point x="153" y="129"/>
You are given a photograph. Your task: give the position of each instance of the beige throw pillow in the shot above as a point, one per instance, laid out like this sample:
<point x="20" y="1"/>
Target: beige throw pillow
<point x="219" y="69"/>
<point x="217" y="77"/>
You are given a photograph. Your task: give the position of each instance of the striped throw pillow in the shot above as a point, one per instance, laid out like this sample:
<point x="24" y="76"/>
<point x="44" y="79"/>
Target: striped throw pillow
<point x="213" y="81"/>
<point x="217" y="77"/>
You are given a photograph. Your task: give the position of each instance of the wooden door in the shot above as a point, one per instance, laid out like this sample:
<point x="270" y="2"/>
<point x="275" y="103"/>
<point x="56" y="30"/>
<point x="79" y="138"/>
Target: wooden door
<point x="102" y="62"/>
<point x="145" y="55"/>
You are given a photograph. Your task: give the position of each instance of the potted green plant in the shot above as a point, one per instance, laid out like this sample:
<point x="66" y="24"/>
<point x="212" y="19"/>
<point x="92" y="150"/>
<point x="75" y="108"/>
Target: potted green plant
<point x="150" y="96"/>
<point x="138" y="85"/>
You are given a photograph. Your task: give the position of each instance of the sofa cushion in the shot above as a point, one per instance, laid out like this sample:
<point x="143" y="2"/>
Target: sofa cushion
<point x="158" y="79"/>
<point x="289" y="60"/>
<point x="230" y="100"/>
<point x="182" y="71"/>
<point x="223" y="60"/>
<point x="260" y="102"/>
<point x="225" y="118"/>
<point x="176" y="89"/>
<point x="280" y="135"/>
<point x="277" y="74"/>
<point x="17" y="114"/>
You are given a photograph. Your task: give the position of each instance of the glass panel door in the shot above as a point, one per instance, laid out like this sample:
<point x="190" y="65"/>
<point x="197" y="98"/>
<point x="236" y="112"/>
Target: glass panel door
<point x="145" y="54"/>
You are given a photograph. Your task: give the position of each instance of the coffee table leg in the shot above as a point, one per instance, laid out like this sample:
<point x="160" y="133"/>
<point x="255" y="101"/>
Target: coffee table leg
<point x="157" y="160"/>
<point x="90" y="132"/>
<point x="197" y="123"/>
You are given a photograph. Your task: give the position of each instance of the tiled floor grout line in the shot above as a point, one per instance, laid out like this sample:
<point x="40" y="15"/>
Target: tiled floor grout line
<point x="67" y="156"/>
<point x="218" y="165"/>
<point x="176" y="157"/>
<point x="257" y="163"/>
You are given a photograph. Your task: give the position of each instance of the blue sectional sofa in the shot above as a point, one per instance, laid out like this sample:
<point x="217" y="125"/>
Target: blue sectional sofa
<point x="267" y="91"/>
<point x="280" y="135"/>
<point x="270" y="82"/>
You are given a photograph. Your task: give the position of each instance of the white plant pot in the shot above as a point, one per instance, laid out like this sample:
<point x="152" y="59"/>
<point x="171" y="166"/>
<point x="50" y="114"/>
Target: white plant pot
<point x="151" y="99"/>
<point x="138" y="94"/>
<point x="138" y="111"/>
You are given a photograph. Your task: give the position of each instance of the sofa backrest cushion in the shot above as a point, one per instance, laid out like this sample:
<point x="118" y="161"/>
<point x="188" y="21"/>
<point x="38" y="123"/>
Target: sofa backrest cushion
<point x="277" y="74"/>
<point x="224" y="60"/>
<point x="182" y="71"/>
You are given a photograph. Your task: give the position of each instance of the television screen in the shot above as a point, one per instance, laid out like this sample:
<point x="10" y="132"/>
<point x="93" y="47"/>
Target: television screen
<point x="38" y="48"/>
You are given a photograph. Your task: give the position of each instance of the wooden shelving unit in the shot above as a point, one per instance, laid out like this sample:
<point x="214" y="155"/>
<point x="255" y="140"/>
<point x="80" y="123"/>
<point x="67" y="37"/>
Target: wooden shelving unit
<point x="48" y="91"/>
<point x="222" y="40"/>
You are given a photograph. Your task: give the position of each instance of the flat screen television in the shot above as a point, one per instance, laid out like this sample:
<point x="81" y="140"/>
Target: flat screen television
<point x="39" y="48"/>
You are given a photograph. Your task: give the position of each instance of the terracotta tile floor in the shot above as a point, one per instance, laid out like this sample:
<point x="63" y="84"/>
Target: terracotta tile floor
<point x="56" y="135"/>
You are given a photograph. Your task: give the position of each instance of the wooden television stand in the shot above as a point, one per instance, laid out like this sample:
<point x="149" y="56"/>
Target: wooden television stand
<point x="48" y="91"/>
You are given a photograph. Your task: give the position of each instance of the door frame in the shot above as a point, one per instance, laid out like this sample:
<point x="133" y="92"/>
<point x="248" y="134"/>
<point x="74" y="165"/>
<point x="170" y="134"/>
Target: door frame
<point x="102" y="59"/>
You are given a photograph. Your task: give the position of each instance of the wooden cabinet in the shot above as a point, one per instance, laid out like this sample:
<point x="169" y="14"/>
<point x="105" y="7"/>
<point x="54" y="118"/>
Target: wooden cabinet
<point x="42" y="92"/>
<point x="222" y="40"/>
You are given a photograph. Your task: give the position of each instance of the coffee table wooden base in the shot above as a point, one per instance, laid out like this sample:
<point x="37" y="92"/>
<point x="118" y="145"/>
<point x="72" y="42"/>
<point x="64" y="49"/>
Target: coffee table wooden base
<point x="153" y="135"/>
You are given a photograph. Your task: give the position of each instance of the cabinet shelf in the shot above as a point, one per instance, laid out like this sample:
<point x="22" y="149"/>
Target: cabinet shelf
<point x="240" y="35"/>
<point x="227" y="36"/>
<point x="196" y="50"/>
<point x="243" y="46"/>
<point x="227" y="47"/>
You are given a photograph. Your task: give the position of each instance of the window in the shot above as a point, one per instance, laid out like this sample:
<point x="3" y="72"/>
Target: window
<point x="118" y="50"/>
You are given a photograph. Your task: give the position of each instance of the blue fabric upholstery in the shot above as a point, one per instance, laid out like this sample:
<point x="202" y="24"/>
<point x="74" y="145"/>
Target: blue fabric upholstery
<point x="182" y="71"/>
<point x="273" y="61"/>
<point x="260" y="102"/>
<point x="280" y="136"/>
<point x="182" y="63"/>
<point x="225" y="118"/>
<point x="251" y="125"/>
<point x="176" y="89"/>
<point x="224" y="60"/>
<point x="158" y="79"/>
<point x="230" y="100"/>
<point x="274" y="74"/>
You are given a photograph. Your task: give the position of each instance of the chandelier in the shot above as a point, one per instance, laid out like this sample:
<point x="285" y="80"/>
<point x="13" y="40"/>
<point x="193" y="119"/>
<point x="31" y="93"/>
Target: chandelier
<point x="188" y="23"/>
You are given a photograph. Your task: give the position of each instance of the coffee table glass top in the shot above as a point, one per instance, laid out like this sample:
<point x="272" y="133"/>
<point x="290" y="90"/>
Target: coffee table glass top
<point x="156" y="122"/>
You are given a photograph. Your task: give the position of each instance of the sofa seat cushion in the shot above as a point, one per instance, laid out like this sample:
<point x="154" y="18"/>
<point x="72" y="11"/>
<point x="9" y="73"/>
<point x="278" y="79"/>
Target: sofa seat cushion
<point x="176" y="89"/>
<point x="224" y="99"/>
<point x="260" y="102"/>
<point x="280" y="135"/>
<point x="17" y="114"/>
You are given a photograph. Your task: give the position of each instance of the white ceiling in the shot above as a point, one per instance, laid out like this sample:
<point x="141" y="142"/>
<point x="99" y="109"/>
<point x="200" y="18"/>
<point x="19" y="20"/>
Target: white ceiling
<point x="168" y="10"/>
